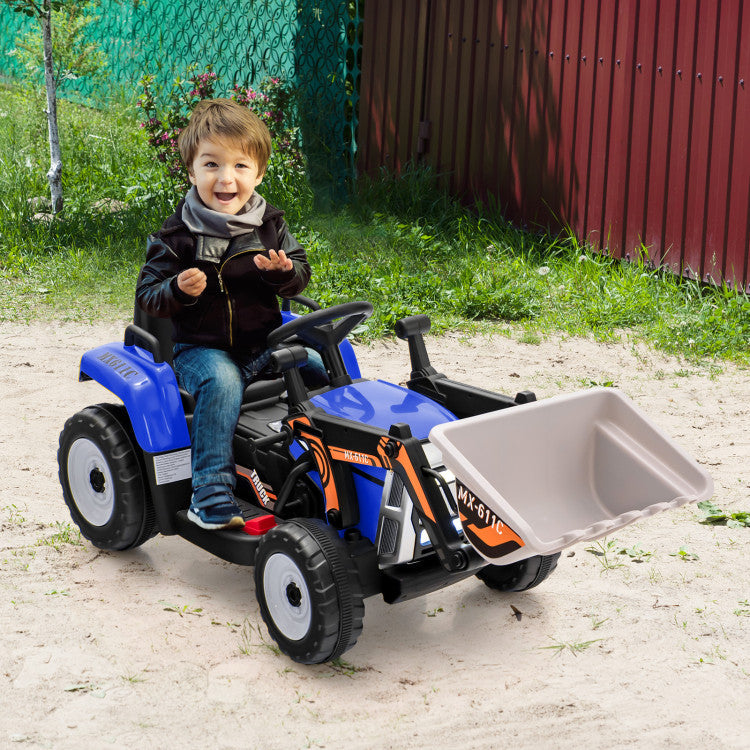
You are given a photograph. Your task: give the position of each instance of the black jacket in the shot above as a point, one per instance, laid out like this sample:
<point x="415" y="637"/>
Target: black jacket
<point x="239" y="306"/>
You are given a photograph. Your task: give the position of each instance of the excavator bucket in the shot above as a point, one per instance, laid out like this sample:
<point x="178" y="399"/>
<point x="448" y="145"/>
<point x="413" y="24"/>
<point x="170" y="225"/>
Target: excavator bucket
<point x="540" y="477"/>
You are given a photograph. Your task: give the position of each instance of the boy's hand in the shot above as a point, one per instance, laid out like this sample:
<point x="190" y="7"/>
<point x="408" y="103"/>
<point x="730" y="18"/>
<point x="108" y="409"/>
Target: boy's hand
<point x="192" y="282"/>
<point x="274" y="262"/>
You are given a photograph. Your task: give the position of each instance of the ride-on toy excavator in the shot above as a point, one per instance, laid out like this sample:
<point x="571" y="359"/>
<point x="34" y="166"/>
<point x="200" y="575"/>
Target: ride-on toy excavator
<point x="364" y="487"/>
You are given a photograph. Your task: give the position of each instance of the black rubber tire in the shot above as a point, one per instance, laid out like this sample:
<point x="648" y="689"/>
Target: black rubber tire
<point x="521" y="575"/>
<point x="102" y="479"/>
<point x="308" y="590"/>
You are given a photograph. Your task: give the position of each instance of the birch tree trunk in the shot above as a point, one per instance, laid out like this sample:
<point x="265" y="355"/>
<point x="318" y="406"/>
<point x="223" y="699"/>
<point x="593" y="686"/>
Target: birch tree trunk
<point x="54" y="176"/>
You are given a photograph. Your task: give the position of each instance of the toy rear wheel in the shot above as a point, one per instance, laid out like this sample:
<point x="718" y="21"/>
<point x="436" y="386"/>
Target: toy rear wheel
<point x="102" y="479"/>
<point x="308" y="590"/>
<point x="521" y="575"/>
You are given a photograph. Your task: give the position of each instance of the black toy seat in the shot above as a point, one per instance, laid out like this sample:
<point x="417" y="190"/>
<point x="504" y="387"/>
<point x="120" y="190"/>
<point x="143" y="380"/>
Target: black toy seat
<point x="161" y="330"/>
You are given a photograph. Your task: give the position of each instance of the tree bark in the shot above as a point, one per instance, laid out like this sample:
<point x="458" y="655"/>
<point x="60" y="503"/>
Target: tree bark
<point x="54" y="176"/>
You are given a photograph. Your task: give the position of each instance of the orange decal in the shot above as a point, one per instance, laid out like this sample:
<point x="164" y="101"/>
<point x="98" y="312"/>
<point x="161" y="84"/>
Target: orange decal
<point x="493" y="536"/>
<point x="483" y="527"/>
<point x="355" y="457"/>
<point x="322" y="461"/>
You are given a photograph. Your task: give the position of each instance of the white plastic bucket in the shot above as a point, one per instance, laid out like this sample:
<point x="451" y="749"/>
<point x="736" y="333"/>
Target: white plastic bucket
<point x="537" y="478"/>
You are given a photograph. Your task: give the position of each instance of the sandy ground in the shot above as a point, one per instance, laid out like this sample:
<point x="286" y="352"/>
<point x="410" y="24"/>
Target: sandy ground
<point x="164" y="646"/>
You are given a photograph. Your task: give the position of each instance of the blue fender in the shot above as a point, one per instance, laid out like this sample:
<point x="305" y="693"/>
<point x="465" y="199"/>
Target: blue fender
<point x="148" y="390"/>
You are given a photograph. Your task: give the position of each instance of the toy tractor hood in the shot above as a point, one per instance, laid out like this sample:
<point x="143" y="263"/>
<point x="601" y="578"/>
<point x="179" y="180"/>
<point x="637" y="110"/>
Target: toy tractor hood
<point x="380" y="404"/>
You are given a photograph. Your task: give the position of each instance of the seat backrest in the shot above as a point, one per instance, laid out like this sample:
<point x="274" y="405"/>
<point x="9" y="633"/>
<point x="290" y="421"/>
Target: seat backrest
<point x="160" y="328"/>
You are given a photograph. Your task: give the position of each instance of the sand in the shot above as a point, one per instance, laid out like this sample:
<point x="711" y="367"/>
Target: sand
<point x="164" y="646"/>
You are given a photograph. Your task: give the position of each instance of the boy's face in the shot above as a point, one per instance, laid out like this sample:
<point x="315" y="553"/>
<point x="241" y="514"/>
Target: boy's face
<point x="224" y="175"/>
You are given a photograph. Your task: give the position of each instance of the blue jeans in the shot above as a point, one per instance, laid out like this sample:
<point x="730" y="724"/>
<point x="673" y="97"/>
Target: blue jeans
<point x="216" y="380"/>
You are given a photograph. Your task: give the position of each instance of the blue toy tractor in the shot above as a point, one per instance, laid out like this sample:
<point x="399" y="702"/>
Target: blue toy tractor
<point x="344" y="492"/>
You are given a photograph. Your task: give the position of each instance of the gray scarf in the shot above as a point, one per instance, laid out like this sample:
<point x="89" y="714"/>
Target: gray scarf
<point x="202" y="220"/>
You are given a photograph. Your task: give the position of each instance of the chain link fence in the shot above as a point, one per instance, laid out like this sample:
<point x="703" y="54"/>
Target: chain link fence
<point x="315" y="44"/>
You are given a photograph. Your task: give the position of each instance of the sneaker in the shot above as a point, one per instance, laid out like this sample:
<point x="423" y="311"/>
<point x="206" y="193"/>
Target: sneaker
<point x="213" y="507"/>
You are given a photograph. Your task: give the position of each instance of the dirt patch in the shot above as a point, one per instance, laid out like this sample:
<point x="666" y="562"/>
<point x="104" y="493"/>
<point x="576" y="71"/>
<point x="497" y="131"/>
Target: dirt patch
<point x="164" y="645"/>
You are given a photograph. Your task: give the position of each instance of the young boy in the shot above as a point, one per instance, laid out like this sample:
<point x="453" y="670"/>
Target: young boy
<point x="215" y="268"/>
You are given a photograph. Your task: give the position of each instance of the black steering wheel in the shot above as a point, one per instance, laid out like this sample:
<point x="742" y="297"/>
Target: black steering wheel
<point x="318" y="329"/>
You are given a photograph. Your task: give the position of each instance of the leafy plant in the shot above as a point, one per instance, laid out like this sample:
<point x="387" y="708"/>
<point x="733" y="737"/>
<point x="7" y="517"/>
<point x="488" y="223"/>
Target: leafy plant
<point x="276" y="103"/>
<point x="714" y="516"/>
<point x="42" y="12"/>
<point x="73" y="56"/>
<point x="598" y="383"/>
<point x="636" y="554"/>
<point x="163" y="123"/>
<point x="683" y="554"/>
<point x="602" y="550"/>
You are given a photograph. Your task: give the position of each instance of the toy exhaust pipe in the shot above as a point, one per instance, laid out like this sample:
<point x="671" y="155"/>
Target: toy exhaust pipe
<point x="540" y="477"/>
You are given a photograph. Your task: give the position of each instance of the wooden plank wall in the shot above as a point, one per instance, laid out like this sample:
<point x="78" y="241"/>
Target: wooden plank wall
<point x="626" y="120"/>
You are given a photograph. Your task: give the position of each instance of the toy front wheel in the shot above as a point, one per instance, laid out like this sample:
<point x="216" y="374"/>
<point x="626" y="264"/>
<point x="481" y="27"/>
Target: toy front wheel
<point x="102" y="480"/>
<point x="521" y="575"/>
<point x="308" y="590"/>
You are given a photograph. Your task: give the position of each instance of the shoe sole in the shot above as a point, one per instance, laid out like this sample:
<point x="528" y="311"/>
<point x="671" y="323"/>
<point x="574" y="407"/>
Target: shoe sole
<point x="234" y="523"/>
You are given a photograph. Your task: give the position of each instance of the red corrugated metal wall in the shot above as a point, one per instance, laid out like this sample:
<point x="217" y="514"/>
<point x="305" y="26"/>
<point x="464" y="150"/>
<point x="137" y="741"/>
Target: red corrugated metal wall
<point x="625" y="119"/>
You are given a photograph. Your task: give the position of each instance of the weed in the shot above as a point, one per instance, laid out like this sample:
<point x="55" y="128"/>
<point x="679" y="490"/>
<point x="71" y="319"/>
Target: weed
<point x="185" y="609"/>
<point x="231" y="625"/>
<point x="574" y="648"/>
<point x="82" y="687"/>
<point x="683" y="554"/>
<point x="636" y="554"/>
<point x="655" y="577"/>
<point x="341" y="666"/>
<point x="65" y="534"/>
<point x="602" y="550"/>
<point x="14" y="514"/>
<point x="433" y="612"/>
<point x="714" y="516"/>
<point x="597" y="383"/>
<point x="252" y="637"/>
<point x="530" y="337"/>
<point x="133" y="678"/>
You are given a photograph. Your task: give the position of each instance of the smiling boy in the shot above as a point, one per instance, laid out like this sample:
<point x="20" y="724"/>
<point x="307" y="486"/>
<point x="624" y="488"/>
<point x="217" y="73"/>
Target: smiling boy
<point x="216" y="268"/>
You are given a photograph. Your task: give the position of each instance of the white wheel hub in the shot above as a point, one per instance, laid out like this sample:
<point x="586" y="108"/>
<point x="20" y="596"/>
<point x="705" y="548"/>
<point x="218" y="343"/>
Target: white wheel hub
<point x="287" y="596"/>
<point x="91" y="483"/>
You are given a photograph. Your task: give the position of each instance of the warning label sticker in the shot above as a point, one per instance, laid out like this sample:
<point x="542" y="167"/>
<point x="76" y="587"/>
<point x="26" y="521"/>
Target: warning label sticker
<point x="172" y="467"/>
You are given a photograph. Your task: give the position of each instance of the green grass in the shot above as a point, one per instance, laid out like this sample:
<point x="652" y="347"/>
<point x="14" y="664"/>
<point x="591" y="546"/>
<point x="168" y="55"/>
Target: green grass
<point x="401" y="243"/>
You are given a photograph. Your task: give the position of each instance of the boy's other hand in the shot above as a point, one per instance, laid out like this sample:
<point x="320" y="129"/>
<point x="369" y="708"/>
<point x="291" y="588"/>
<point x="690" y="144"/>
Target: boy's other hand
<point x="274" y="262"/>
<point x="192" y="281"/>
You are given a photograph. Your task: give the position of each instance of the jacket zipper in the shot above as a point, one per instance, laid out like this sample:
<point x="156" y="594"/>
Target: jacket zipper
<point x="224" y="291"/>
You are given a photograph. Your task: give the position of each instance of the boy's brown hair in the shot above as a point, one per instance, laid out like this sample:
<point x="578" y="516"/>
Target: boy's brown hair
<point x="224" y="119"/>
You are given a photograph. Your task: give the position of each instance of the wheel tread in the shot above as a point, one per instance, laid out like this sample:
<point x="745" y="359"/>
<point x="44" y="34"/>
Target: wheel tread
<point x="133" y="521"/>
<point x="339" y="606"/>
